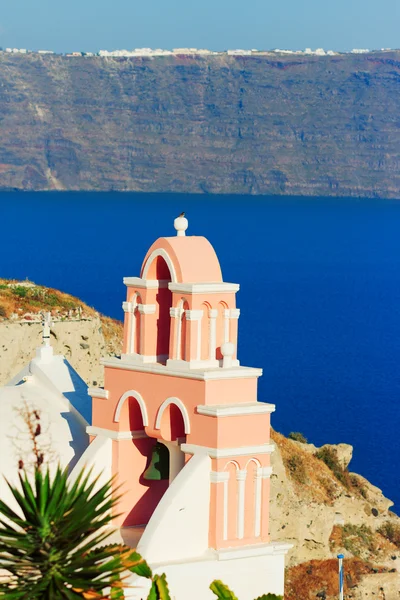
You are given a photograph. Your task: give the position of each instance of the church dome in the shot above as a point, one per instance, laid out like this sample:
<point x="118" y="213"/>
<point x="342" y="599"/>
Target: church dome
<point x="190" y="259"/>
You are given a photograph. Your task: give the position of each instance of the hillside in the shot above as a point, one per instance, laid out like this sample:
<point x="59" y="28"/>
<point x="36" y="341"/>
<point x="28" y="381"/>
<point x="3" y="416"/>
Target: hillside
<point x="271" y="124"/>
<point x="78" y="332"/>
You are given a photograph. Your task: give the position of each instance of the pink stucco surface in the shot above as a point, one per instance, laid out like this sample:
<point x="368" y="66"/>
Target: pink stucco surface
<point x="193" y="257"/>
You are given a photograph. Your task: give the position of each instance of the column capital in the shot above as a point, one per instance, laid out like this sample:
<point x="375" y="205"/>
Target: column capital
<point x="266" y="472"/>
<point x="219" y="476"/>
<point x="241" y="475"/>
<point x="194" y="315"/>
<point x="175" y="313"/>
<point x="235" y="313"/>
<point x="147" y="309"/>
<point x="127" y="307"/>
<point x="213" y="313"/>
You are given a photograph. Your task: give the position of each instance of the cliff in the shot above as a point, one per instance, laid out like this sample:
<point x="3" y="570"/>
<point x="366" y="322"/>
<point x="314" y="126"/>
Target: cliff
<point x="270" y="124"/>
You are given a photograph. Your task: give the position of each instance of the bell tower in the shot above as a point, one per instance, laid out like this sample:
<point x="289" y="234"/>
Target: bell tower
<point x="179" y="383"/>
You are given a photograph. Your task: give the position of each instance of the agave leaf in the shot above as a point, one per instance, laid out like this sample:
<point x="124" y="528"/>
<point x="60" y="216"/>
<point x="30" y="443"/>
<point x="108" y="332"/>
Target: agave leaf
<point x="222" y="591"/>
<point x="153" y="593"/>
<point x="269" y="597"/>
<point x="162" y="587"/>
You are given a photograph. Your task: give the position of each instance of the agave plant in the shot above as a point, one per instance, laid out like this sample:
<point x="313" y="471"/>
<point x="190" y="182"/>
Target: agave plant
<point x="53" y="550"/>
<point x="224" y="593"/>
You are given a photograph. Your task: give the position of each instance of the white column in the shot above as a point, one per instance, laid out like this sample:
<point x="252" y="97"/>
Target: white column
<point x="241" y="479"/>
<point x="257" y="507"/>
<point x="227" y="314"/>
<point x="213" y="314"/>
<point x="128" y="308"/>
<point x="196" y="315"/>
<point x="176" y="313"/>
<point x="223" y="477"/>
<point x="144" y="309"/>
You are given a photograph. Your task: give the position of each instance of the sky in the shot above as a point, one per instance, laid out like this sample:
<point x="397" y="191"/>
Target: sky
<point x="91" y="25"/>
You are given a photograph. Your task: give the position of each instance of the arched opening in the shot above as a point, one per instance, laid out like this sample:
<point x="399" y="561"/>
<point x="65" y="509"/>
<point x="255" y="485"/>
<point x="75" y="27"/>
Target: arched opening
<point x="222" y="328"/>
<point x="159" y="270"/>
<point x="156" y="268"/>
<point x="172" y="426"/>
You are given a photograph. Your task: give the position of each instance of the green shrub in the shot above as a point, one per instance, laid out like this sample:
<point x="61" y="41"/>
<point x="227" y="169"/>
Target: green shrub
<point x="357" y="538"/>
<point x="390" y="531"/>
<point x="297" y="437"/>
<point x="296" y="467"/>
<point x="330" y="458"/>
<point x="20" y="290"/>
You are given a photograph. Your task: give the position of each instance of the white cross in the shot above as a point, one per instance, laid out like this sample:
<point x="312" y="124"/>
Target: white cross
<point x="46" y="324"/>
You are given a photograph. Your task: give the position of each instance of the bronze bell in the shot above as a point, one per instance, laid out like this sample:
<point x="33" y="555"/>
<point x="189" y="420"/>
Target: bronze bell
<point x="158" y="468"/>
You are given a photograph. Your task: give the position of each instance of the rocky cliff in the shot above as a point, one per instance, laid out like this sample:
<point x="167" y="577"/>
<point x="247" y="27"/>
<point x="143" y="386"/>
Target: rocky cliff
<point x="271" y="124"/>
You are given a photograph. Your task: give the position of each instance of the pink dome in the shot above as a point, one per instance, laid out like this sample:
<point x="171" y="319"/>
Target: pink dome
<point x="190" y="259"/>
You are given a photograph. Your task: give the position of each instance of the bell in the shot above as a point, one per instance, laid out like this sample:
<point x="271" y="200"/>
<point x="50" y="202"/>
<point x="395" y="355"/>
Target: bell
<point x="158" y="468"/>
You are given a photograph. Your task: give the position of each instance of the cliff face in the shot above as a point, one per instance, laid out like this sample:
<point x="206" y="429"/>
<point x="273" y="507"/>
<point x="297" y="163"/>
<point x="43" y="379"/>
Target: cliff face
<point x="273" y="124"/>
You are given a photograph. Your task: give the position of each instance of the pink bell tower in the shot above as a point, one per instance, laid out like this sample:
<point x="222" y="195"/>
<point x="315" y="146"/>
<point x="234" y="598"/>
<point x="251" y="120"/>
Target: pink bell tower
<point x="179" y="382"/>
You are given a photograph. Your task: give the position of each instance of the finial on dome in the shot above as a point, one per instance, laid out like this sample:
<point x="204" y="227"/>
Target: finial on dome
<point x="227" y="351"/>
<point x="181" y="224"/>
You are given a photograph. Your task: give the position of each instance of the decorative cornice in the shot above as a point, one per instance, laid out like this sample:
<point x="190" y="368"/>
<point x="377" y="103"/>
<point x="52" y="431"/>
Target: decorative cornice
<point x="199" y="374"/>
<point x="96" y="392"/>
<point x="235" y="410"/>
<point x="139" y="283"/>
<point x="115" y="435"/>
<point x="204" y="288"/>
<point x="228" y="452"/>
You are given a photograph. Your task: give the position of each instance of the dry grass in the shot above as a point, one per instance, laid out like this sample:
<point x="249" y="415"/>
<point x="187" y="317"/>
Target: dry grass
<point x="25" y="300"/>
<point x="22" y="298"/>
<point x="317" y="481"/>
<point x="304" y="581"/>
<point x="320" y="476"/>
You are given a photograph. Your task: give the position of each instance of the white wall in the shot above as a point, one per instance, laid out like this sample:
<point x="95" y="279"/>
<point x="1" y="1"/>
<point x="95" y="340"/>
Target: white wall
<point x="178" y="528"/>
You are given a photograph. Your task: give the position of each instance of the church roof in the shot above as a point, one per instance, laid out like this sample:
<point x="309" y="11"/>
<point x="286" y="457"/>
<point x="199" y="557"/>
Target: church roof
<point x="49" y="385"/>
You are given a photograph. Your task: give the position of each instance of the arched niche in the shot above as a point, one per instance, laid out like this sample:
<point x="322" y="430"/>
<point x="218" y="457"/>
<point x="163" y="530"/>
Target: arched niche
<point x="131" y="412"/>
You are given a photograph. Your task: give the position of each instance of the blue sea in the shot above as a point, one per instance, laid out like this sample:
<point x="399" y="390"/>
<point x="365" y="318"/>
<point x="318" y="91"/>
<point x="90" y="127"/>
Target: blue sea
<point x="319" y="297"/>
